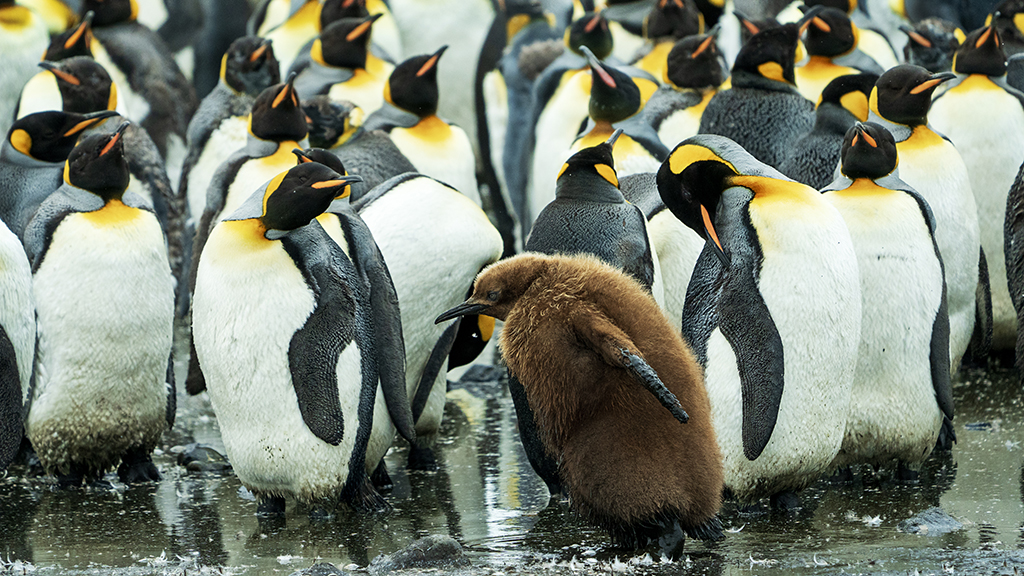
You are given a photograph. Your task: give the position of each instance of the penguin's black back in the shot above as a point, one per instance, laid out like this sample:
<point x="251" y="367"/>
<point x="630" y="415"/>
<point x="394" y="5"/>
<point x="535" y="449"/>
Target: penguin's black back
<point x="814" y="159"/>
<point x="765" y="122"/>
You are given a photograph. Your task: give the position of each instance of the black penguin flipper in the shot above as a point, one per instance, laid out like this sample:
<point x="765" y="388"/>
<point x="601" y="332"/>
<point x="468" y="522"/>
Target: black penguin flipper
<point x="386" y="320"/>
<point x="315" y="348"/>
<point x="665" y="102"/>
<point x="981" y="337"/>
<point x="40" y="229"/>
<point x="389" y="117"/>
<point x="11" y="430"/>
<point x="700" y="309"/>
<point x="543" y="463"/>
<point x="435" y="361"/>
<point x="172" y="393"/>
<point x="747" y="325"/>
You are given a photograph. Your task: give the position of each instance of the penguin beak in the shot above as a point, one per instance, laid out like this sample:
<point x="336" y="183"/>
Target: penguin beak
<point x="70" y="79"/>
<point x="467" y="308"/>
<point x="301" y="156"/>
<point x="594" y="21"/>
<point x="431" y="62"/>
<point x="81" y="30"/>
<point x="91" y="119"/>
<point x="362" y="28"/>
<point x="989" y="31"/>
<point x="862" y="132"/>
<point x="615" y="136"/>
<point x="712" y="236"/>
<point x="809" y="16"/>
<point x="335" y="183"/>
<point x="595" y="65"/>
<point x="115" y="138"/>
<point x="259" y="52"/>
<point x="932" y="82"/>
<point x="286" y="90"/>
<point x="706" y="43"/>
<point x="750" y="26"/>
<point x="915" y="36"/>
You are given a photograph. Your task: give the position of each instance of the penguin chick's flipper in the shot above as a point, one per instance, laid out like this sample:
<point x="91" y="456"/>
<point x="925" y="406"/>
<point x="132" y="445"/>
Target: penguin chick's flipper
<point x="11" y="429"/>
<point x="387" y="321"/>
<point x="616" y="348"/>
<point x="746" y="323"/>
<point x="314" y="349"/>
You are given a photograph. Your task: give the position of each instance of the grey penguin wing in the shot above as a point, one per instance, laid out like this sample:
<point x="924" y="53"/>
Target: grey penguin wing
<point x="700" y="313"/>
<point x="598" y="333"/>
<point x="11" y="429"/>
<point x="388" y="117"/>
<point x="387" y="321"/>
<point x="1013" y="247"/>
<point x="315" y="347"/>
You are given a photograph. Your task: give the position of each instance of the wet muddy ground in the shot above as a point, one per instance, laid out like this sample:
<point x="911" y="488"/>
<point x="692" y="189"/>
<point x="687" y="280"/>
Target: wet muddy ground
<point x="486" y="496"/>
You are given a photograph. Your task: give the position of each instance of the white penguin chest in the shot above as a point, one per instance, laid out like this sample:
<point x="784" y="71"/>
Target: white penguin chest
<point x="228" y="137"/>
<point x="441" y="151"/>
<point x="255" y="172"/>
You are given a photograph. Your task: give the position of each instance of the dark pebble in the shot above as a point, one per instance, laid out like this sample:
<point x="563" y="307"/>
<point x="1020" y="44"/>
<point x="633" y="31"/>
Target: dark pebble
<point x="932" y="522"/>
<point x="429" y="552"/>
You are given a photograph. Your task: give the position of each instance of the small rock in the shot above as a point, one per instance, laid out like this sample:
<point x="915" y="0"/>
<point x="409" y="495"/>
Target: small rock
<point x="322" y="569"/>
<point x="932" y="522"/>
<point x="429" y="552"/>
<point x="202" y="458"/>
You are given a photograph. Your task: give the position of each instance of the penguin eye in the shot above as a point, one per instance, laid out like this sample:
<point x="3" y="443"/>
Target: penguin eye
<point x="492" y="296"/>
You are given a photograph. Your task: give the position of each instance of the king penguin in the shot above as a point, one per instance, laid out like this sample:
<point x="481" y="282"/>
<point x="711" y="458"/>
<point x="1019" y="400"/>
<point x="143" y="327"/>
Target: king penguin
<point x="771" y="305"/>
<point x="830" y="38"/>
<point x="307" y="391"/>
<point x="221" y="124"/>
<point x="409" y="115"/>
<point x="694" y="73"/>
<point x="667" y="23"/>
<point x="23" y="37"/>
<point x="435" y="240"/>
<point x="901" y="388"/>
<point x="32" y="161"/>
<point x="763" y="112"/>
<point x="991" y="142"/>
<point x="103" y="392"/>
<point x="931" y="44"/>
<point x="843" y="103"/>
<point x="933" y="166"/>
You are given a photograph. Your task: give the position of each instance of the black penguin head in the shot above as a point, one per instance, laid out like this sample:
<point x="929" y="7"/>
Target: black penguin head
<point x="249" y="66"/>
<point x="329" y="159"/>
<point x="614" y="96"/>
<point x="749" y="28"/>
<point x="331" y="123"/>
<point x="904" y="94"/>
<point x="98" y="165"/>
<point x="846" y="6"/>
<point x="109" y="12"/>
<point x="76" y="41"/>
<point x="499" y="286"/>
<point x="981" y="52"/>
<point x="831" y="33"/>
<point x="591" y="173"/>
<point x="850" y="92"/>
<point x="84" y="84"/>
<point x="931" y="44"/>
<point x="293" y="198"/>
<point x="771" y="53"/>
<point x="412" y="85"/>
<point x="333" y="10"/>
<point x="696" y="62"/>
<point x="1009" y="21"/>
<point x="673" y="19"/>
<point x="869" y="151"/>
<point x="344" y="43"/>
<point x="50" y="136"/>
<point x="277" y="115"/>
<point x="590" y="30"/>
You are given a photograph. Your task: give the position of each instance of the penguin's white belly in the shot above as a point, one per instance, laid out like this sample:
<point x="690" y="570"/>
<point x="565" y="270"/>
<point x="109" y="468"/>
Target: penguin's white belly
<point x="368" y="95"/>
<point x="893" y="411"/>
<point x="104" y="302"/>
<point x="939" y="175"/>
<point x="253" y="174"/>
<point x="678" y="248"/>
<point x="247" y="306"/>
<point x="557" y="127"/>
<point x="229" y="137"/>
<point x="679" y="126"/>
<point x="625" y="44"/>
<point x="448" y="158"/>
<point x="39" y="94"/>
<point x="130" y="104"/>
<point x="434" y="241"/>
<point x="808" y="280"/>
<point x="991" y="142"/>
<point x="17" y="309"/>
<point x="496" y="108"/>
<point x="21" y="58"/>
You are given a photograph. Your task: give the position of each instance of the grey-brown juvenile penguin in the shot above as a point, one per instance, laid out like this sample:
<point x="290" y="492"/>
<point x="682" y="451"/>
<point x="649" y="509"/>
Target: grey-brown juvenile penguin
<point x="618" y="397"/>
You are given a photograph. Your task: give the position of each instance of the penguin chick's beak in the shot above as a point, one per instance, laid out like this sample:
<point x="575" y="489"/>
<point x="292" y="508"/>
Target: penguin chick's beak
<point x="115" y="138"/>
<point x="932" y="82"/>
<point x="596" y="66"/>
<point x="467" y="308"/>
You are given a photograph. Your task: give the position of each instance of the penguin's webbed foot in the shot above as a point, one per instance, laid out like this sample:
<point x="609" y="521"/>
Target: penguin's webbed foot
<point x="366" y="499"/>
<point x="785" y="501"/>
<point x="670" y="544"/>
<point x="947" y="436"/>
<point x="270" y="507"/>
<point x="380" y="477"/>
<point x="905" y="475"/>
<point x="137" y="467"/>
<point x="422" y="458"/>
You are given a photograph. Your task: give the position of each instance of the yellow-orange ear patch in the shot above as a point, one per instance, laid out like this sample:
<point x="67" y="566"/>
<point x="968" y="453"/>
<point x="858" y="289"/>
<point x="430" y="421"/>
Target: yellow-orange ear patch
<point x="608" y="173"/>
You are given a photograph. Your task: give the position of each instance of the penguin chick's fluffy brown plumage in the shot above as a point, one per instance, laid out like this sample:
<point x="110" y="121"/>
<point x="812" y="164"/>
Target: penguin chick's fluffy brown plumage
<point x="628" y="464"/>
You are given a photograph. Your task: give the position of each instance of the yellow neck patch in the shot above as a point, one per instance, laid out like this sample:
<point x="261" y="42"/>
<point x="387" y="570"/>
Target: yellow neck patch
<point x="862" y="188"/>
<point x="1018" y="21"/>
<point x="239" y="236"/>
<point x="113" y="213"/>
<point x="514" y="25"/>
<point x="21" y="141"/>
<point x="316" y="52"/>
<point x="686" y="155"/>
<point x="15" y="17"/>
<point x="274" y="184"/>
<point x="112" y="102"/>
<point x="432" y="129"/>
<point x="856" y="103"/>
<point x="772" y="71"/>
<point x="873" y="102"/>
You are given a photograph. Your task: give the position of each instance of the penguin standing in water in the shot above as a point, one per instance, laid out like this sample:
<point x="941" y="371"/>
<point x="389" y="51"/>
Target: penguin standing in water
<point x="694" y="73"/>
<point x="933" y="167"/>
<point x="409" y="115"/>
<point x="294" y="378"/>
<point x="221" y="124"/>
<point x="419" y="224"/>
<point x="843" y="103"/>
<point x="931" y="44"/>
<point x="620" y="406"/>
<point x="991" y="143"/>
<point x="23" y="37"/>
<point x="337" y="127"/>
<point x="771" y="305"/>
<point x="103" y="392"/>
<point x="32" y="161"/>
<point x="901" y="388"/>
<point x="17" y="343"/>
<point x="763" y="112"/>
